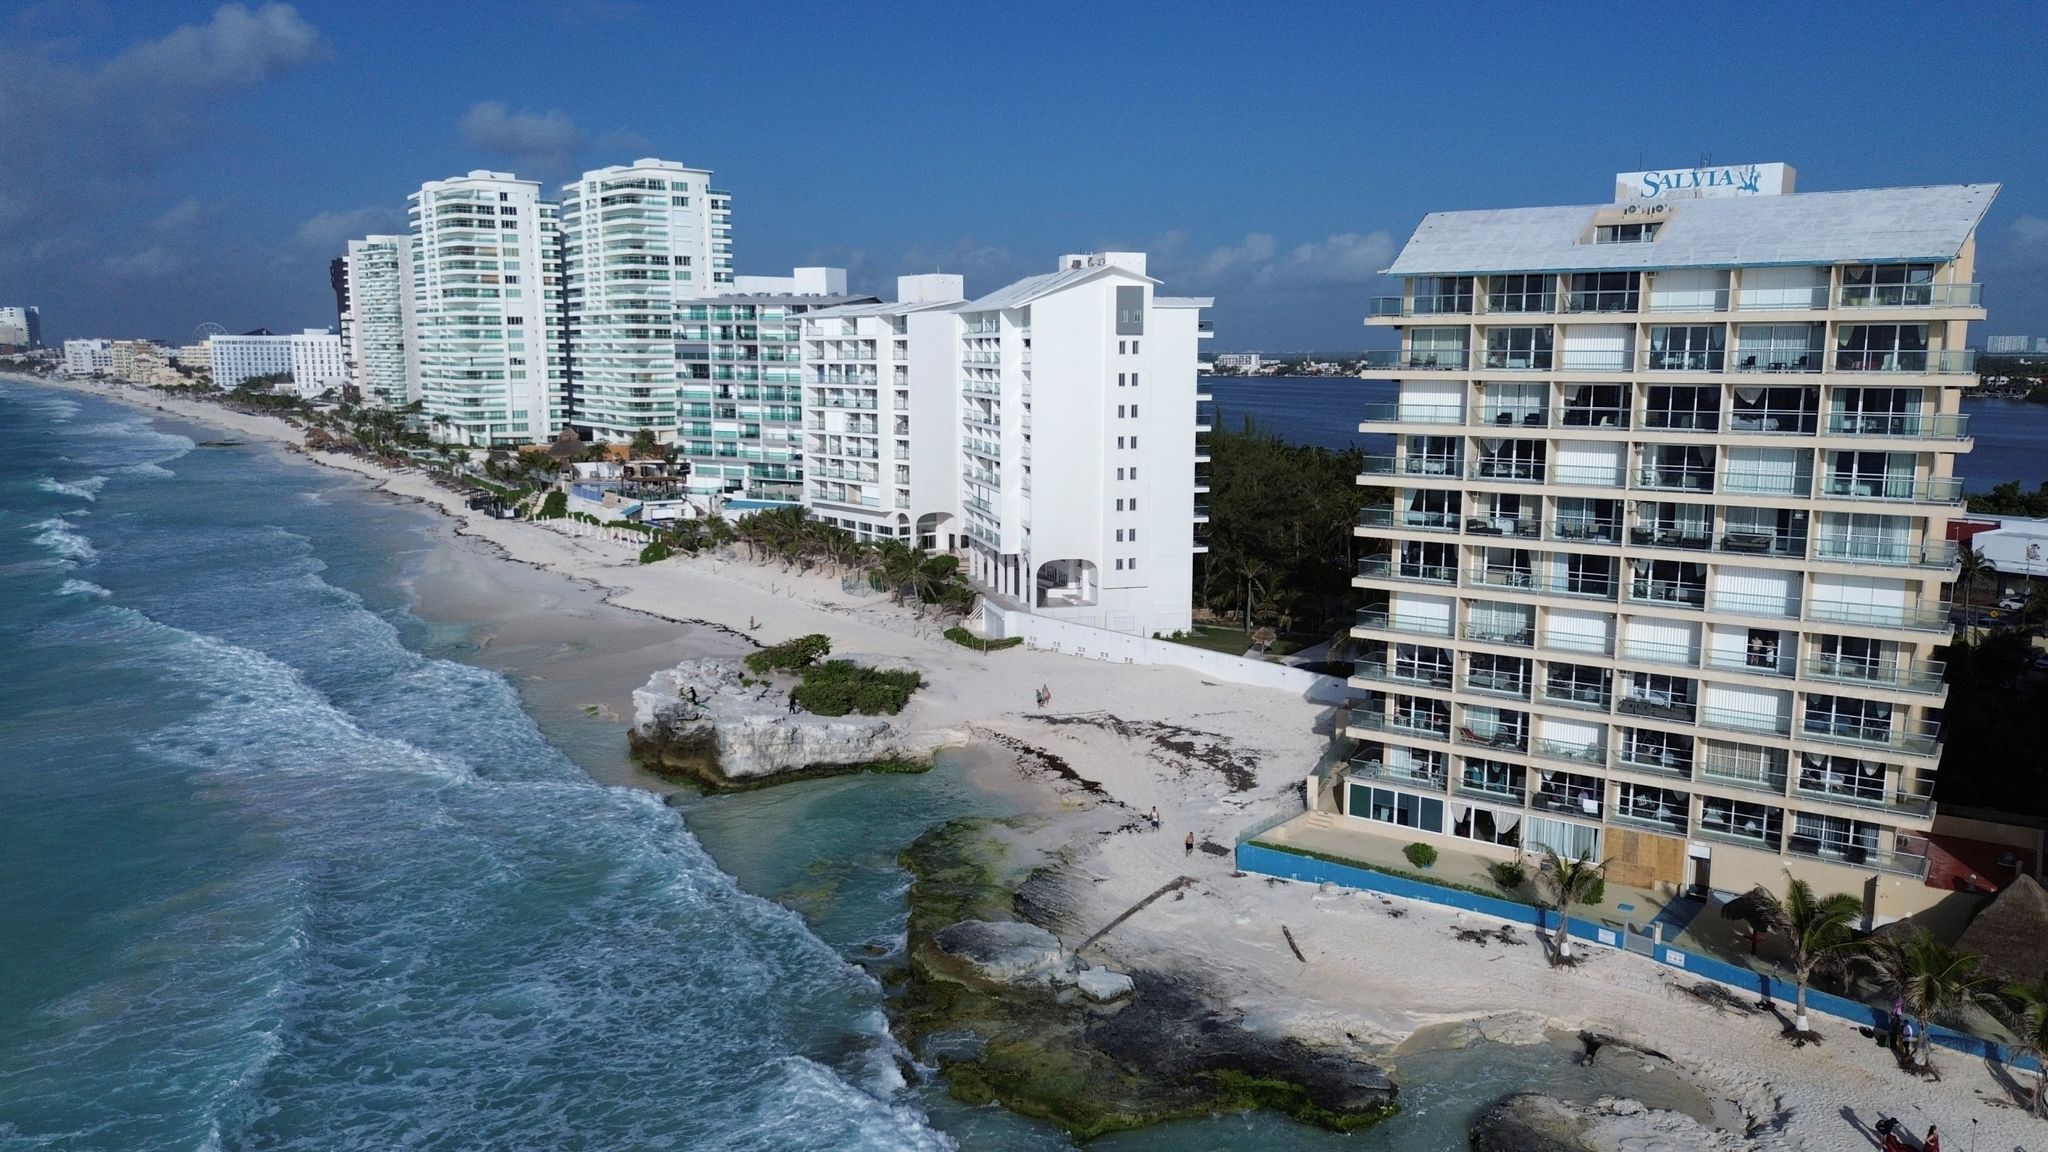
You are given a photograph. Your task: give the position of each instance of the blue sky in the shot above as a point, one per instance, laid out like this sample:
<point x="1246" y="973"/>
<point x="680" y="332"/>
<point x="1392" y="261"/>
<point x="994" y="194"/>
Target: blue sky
<point x="165" y="163"/>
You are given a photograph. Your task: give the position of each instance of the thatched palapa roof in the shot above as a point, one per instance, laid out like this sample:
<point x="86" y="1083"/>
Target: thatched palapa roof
<point x="2011" y="932"/>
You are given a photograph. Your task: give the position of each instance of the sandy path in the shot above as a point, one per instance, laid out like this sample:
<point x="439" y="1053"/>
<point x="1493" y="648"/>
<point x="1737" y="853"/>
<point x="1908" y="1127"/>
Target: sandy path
<point x="1369" y="974"/>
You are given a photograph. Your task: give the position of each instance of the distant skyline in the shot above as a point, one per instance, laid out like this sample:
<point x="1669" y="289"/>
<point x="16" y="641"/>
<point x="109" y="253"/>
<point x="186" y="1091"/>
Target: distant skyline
<point x="164" y="164"/>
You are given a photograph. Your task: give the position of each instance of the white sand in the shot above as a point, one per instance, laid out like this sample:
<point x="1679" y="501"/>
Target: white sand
<point x="1369" y="975"/>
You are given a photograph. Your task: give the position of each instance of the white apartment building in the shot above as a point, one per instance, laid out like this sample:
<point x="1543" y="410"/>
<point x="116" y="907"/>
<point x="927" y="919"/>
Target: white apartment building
<point x="1660" y="570"/>
<point x="636" y="240"/>
<point x="317" y="363"/>
<point x="197" y="357"/>
<point x="1078" y="455"/>
<point x="881" y="414"/>
<point x="85" y="357"/>
<point x="741" y="369"/>
<point x="142" y="362"/>
<point x="485" y="272"/>
<point x="377" y="336"/>
<point x="21" y="328"/>
<point x="237" y="358"/>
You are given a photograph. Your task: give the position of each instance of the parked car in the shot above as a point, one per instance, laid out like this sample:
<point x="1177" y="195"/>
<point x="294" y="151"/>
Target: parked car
<point x="2041" y="661"/>
<point x="2012" y="603"/>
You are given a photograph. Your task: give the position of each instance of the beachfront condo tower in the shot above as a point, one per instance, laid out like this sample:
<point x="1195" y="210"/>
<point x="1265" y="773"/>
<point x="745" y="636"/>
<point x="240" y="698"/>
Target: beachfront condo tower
<point x="486" y="299"/>
<point x="880" y="457"/>
<point x="376" y="327"/>
<point x="636" y="240"/>
<point x="1079" y="462"/>
<point x="1655" y="571"/>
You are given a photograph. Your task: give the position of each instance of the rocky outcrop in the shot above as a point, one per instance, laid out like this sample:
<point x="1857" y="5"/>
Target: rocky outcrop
<point x="1005" y="951"/>
<point x="712" y="722"/>
<point x="1531" y="1122"/>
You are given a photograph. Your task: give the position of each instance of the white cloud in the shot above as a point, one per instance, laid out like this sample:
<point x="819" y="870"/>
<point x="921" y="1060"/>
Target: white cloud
<point x="544" y="140"/>
<point x="332" y="230"/>
<point x="236" y="49"/>
<point x="2030" y="230"/>
<point x="1260" y="262"/>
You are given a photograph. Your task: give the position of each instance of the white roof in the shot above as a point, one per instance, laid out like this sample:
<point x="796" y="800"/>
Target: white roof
<point x="1033" y="287"/>
<point x="881" y="308"/>
<point x="1929" y="223"/>
<point x="1183" y="301"/>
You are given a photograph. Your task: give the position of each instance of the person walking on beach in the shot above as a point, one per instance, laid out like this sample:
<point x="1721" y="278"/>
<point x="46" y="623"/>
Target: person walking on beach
<point x="792" y="701"/>
<point x="1933" y="1141"/>
<point x="1190" y="849"/>
<point x="1155" y="817"/>
<point x="1044" y="696"/>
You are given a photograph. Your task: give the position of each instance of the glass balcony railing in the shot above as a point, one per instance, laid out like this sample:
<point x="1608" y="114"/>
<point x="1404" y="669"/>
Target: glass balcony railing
<point x="1381" y="464"/>
<point x="1514" y="471"/>
<point x="1597" y="360"/>
<point x="1593" y="416"/>
<point x="1407" y="518"/>
<point x="1753" y="543"/>
<point x="1959" y="360"/>
<point x="1931" y="617"/>
<point x="1924" y="740"/>
<point x="1912" y="425"/>
<point x="1573" y="695"/>
<point x="1663" y="536"/>
<point x="1660" y="816"/>
<point x="1588" y="531"/>
<point x="1751" y="604"/>
<point x="1754" y="483"/>
<point x="1903" y="863"/>
<point x="1657" y="705"/>
<point x="1768" y="779"/>
<point x="1476" y="785"/>
<point x="1516" y="634"/>
<point x="1656" y="360"/>
<point x="1386" y="568"/>
<point x="1731" y="720"/>
<point x="1411" y="414"/>
<point x="1644" y="757"/>
<point x="1456" y="304"/>
<point x="1417" y="360"/>
<point x="1909" y="675"/>
<point x="1402" y="672"/>
<point x="1512" y="418"/>
<point x="1584" y="803"/>
<point x="1911" y="296"/>
<point x="1388" y="621"/>
<point x="1424" y="724"/>
<point x="1586" y="475"/>
<point x="1611" y="300"/>
<point x="1527" y="528"/>
<point x="1421" y="775"/>
<point x="1773" y="421"/>
<point x="1682" y="420"/>
<point x="1497" y="684"/>
<point x="1658" y="652"/>
<point x="1675" y="479"/>
<point x="1668" y="592"/>
<point x="1778" y="359"/>
<point x="1902" y="489"/>
<point x="1519" y="359"/>
<point x="1499" y="737"/>
<point x="1940" y="554"/>
<point x="1758" y="663"/>
<point x="1524" y="580"/>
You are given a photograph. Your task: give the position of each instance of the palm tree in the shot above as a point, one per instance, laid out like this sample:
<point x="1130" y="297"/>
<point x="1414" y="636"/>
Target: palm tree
<point x="1935" y="982"/>
<point x="1969" y="565"/>
<point x="896" y="562"/>
<point x="1567" y="882"/>
<point x="2026" y="1013"/>
<point x="1815" y="928"/>
<point x="1253" y="573"/>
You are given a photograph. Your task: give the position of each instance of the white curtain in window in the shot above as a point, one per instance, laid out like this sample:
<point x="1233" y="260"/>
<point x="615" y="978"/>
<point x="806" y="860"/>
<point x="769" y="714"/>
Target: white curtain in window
<point x="1759" y="589"/>
<point x="1590" y="462"/>
<point x="1763" y="705"/>
<point x="1688" y="289"/>
<point x="1442" y="400"/>
<point x="1768" y="288"/>
<point x="1571" y="841"/>
<point x="1424" y="609"/>
<point x="1579" y="631"/>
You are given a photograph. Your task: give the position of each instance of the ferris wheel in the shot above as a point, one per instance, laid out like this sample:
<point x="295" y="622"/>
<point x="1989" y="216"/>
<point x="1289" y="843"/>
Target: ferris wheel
<point x="207" y="331"/>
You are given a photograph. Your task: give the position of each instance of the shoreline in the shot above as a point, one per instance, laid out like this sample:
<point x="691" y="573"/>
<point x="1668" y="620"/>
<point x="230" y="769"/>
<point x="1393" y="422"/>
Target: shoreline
<point x="1372" y="976"/>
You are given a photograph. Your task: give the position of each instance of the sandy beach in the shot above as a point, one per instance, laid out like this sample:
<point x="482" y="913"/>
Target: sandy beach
<point x="1212" y="758"/>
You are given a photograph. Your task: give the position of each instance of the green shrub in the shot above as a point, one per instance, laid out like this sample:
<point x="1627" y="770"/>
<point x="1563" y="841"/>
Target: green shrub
<point x="966" y="639"/>
<point x="1596" y="892"/>
<point x="838" y="687"/>
<point x="655" y="551"/>
<point x="791" y="655"/>
<point x="1508" y="874"/>
<point x="554" y="507"/>
<point x="1419" y="854"/>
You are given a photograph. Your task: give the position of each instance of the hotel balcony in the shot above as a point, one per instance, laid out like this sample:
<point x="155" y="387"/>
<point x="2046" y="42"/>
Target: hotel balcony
<point x="1920" y="676"/>
<point x="1953" y="361"/>
<point x="1936" y="554"/>
<point x="1383" y="517"/>
<point x="1417" y="360"/>
<point x="1910" y="296"/>
<point x="1899" y="490"/>
<point x="1387" y="568"/>
<point x="1910" y="864"/>
<point x="1658" y="815"/>
<point x="1496" y="737"/>
<point x="1923" y="740"/>
<point x="1419" y="775"/>
<point x="1906" y="425"/>
<point x="1380" y="619"/>
<point x="1457" y="304"/>
<point x="1417" y="723"/>
<point x="1930" y="617"/>
<point x="1376" y="670"/>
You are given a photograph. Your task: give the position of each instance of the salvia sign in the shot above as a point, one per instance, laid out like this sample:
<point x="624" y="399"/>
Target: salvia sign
<point x="1699" y="183"/>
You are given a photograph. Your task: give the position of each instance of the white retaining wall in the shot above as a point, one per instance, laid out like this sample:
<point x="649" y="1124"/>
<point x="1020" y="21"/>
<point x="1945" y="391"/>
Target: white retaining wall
<point x="1122" y="648"/>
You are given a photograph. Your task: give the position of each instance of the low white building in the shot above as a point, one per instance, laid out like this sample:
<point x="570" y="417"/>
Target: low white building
<point x="86" y="357"/>
<point x="245" y="356"/>
<point x="317" y="363"/>
<point x="870" y="413"/>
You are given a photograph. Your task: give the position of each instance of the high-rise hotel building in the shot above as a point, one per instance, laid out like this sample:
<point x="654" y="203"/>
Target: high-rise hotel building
<point x="376" y="325"/>
<point x="636" y="240"/>
<point x="1656" y="571"/>
<point x="486" y="286"/>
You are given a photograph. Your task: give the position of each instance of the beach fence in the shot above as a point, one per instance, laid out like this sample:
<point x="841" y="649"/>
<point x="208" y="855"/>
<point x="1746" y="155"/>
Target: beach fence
<point x="1266" y="860"/>
<point x="1091" y="643"/>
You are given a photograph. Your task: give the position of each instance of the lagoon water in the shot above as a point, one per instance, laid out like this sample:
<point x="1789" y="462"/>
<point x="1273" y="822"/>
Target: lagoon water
<point x="278" y="871"/>
<point x="2011" y="435"/>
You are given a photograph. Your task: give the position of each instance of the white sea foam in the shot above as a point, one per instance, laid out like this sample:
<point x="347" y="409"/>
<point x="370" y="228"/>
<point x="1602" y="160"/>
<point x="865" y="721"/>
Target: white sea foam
<point x="82" y="588"/>
<point x="86" y="489"/>
<point x="58" y="535"/>
<point x="147" y="468"/>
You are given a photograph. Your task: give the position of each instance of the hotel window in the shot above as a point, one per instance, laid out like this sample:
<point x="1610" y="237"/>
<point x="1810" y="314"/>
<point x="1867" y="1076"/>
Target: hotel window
<point x="1759" y="823"/>
<point x="1881" y="348"/>
<point x="1120" y="379"/>
<point x="1692" y="348"/>
<point x="1877" y="411"/>
<point x="1521" y="294"/>
<point x="1443" y="295"/>
<point x="1399" y="808"/>
<point x="1486" y="825"/>
<point x="1815" y="835"/>
<point x="1605" y="291"/>
<point x="1570" y="841"/>
<point x="1518" y="347"/>
<point x="1119" y="564"/>
<point x="1119" y="535"/>
<point x="1850" y="717"/>
<point x="1437" y="347"/>
<point x="1625" y="233"/>
<point x="1887" y="285"/>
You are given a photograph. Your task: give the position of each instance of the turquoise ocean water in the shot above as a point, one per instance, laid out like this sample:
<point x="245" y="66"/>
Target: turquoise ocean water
<point x="274" y="874"/>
